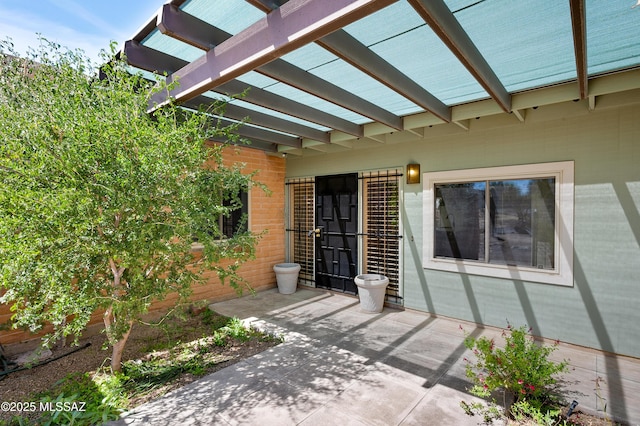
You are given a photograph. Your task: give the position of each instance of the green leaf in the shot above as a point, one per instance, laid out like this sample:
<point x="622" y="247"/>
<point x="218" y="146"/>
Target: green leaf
<point x="99" y="200"/>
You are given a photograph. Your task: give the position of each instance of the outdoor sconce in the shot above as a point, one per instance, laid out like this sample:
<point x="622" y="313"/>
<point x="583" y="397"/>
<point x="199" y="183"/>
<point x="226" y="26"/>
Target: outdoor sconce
<point x="413" y="173"/>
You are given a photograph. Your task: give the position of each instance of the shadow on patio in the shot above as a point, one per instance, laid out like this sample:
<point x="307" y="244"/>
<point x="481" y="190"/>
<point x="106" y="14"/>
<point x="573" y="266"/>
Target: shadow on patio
<point x="338" y="365"/>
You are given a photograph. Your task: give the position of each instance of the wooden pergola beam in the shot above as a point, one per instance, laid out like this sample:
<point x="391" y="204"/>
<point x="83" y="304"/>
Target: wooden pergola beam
<point x="153" y="60"/>
<point x="441" y="20"/>
<point x="191" y="30"/>
<point x="579" y="27"/>
<point x="294" y="24"/>
<point x="349" y="49"/>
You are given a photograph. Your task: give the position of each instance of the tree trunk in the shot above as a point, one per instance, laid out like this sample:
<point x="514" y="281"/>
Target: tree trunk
<point x="118" y="348"/>
<point x="109" y="317"/>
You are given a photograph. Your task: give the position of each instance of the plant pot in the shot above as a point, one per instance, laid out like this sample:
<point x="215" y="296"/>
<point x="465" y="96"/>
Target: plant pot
<point x="287" y="277"/>
<point x="371" y="291"/>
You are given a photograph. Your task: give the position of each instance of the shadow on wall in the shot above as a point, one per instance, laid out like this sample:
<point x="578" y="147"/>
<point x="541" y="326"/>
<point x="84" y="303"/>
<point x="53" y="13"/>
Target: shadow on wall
<point x="616" y="404"/>
<point x="417" y="260"/>
<point x="631" y="210"/>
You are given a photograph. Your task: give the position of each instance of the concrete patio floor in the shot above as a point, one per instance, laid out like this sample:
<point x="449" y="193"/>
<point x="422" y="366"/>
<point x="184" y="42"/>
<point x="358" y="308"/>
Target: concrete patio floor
<point x="341" y="366"/>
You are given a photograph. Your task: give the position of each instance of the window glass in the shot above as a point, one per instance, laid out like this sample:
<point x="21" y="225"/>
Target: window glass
<point x="459" y="224"/>
<point x="522" y="222"/>
<point x="512" y="222"/>
<point x="236" y="220"/>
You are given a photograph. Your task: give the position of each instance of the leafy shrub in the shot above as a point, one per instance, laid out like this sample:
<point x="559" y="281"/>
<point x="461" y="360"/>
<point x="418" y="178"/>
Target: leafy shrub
<point x="76" y="400"/>
<point x="236" y="329"/>
<point x="219" y="339"/>
<point x="89" y="414"/>
<point x="521" y="370"/>
<point x="523" y="410"/>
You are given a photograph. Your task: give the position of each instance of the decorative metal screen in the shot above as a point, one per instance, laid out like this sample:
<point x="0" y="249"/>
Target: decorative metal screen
<point x="381" y="234"/>
<point x="300" y="222"/>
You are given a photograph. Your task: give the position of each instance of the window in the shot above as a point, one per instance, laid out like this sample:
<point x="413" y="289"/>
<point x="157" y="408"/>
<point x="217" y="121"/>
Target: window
<point x="510" y="222"/>
<point x="236" y="220"/>
<point x="225" y="225"/>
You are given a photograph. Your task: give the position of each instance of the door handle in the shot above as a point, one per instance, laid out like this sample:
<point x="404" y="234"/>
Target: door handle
<point x="316" y="231"/>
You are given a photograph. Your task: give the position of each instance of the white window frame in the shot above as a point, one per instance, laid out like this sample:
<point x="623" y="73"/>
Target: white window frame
<point x="563" y="172"/>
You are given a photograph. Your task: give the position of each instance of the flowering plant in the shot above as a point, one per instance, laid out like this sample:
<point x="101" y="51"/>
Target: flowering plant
<point x="522" y="369"/>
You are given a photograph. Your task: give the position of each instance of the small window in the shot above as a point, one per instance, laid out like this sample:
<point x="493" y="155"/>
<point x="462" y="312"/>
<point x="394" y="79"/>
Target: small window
<point x="236" y="221"/>
<point x="510" y="222"/>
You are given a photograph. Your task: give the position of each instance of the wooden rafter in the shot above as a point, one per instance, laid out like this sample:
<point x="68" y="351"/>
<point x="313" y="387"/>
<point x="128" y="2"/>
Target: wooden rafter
<point x="191" y="30"/>
<point x="293" y="25"/>
<point x="579" y="26"/>
<point x="437" y="14"/>
<point x="261" y="119"/>
<point x="366" y="60"/>
<point x="349" y="49"/>
<point x="266" y="5"/>
<point x="153" y="60"/>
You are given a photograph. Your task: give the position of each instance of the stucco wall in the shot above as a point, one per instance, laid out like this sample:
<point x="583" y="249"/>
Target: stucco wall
<point x="266" y="214"/>
<point x="601" y="309"/>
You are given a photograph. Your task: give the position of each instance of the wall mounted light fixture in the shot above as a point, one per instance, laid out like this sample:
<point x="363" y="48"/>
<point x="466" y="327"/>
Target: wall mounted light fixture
<point x="413" y="173"/>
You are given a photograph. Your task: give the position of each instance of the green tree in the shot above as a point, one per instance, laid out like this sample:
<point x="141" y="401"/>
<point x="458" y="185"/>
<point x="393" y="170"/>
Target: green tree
<point x="100" y="201"/>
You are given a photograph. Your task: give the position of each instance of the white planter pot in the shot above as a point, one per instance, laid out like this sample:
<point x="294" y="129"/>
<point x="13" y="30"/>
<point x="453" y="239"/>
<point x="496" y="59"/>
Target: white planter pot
<point x="287" y="277"/>
<point x="371" y="291"/>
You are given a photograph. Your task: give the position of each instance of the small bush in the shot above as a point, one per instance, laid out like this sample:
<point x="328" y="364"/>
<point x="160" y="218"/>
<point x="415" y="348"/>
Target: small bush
<point x="523" y="410"/>
<point x="76" y="400"/>
<point x="219" y="339"/>
<point x="521" y="370"/>
<point x="236" y="329"/>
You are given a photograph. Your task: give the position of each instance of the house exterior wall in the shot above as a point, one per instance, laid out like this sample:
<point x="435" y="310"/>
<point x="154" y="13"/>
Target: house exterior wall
<point x="266" y="214"/>
<point x="601" y="309"/>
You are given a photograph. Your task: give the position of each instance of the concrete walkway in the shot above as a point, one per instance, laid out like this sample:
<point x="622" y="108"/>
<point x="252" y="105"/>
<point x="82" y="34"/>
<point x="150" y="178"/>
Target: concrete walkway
<point x="341" y="366"/>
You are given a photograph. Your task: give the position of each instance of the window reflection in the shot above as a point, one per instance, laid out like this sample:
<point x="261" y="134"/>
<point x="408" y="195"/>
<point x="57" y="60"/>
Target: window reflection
<point x="522" y="220"/>
<point x="516" y="229"/>
<point x="459" y="214"/>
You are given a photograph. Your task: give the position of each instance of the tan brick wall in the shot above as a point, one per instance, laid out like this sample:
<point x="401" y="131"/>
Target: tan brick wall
<point x="266" y="214"/>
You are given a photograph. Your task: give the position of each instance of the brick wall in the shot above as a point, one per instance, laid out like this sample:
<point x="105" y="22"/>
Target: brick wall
<point x="266" y="214"/>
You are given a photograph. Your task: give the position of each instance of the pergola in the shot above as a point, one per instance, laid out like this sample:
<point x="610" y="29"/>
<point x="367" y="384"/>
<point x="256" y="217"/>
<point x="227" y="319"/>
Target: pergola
<point x="327" y="75"/>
